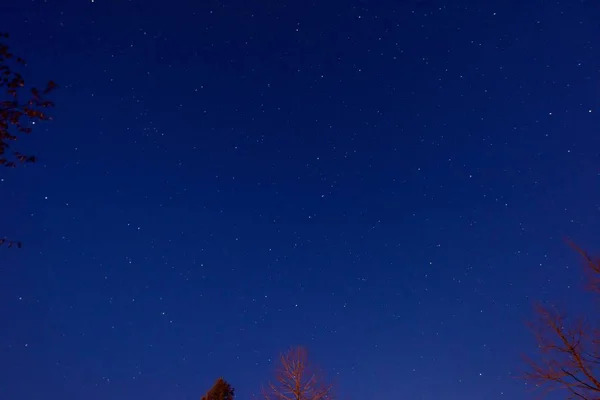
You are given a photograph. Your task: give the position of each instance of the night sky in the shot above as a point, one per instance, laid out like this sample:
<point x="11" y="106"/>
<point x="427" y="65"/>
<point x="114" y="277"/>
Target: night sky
<point x="387" y="183"/>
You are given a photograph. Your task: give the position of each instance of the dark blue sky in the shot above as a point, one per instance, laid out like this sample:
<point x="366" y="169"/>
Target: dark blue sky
<point x="387" y="183"/>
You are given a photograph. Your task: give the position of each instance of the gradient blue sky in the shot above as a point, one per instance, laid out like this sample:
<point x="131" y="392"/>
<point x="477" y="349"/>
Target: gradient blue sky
<point x="387" y="183"/>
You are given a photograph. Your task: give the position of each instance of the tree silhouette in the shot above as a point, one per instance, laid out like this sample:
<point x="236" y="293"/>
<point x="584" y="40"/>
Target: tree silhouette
<point x="569" y="349"/>
<point x="296" y="379"/>
<point x="221" y="390"/>
<point x="18" y="112"/>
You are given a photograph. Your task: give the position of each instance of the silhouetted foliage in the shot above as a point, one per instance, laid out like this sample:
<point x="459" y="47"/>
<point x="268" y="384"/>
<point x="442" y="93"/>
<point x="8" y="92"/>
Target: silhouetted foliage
<point x="221" y="390"/>
<point x="10" y="243"/>
<point x="296" y="379"/>
<point x="569" y="349"/>
<point x="16" y="113"/>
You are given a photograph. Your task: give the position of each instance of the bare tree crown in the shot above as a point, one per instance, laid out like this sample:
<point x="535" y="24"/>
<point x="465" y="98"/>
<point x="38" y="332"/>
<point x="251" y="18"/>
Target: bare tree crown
<point x="296" y="379"/>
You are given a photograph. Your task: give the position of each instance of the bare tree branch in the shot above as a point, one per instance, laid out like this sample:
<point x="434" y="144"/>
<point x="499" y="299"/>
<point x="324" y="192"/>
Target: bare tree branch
<point x="569" y="350"/>
<point x="20" y="109"/>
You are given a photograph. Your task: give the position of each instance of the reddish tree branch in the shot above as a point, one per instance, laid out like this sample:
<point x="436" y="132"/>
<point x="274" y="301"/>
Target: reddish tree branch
<point x="569" y="350"/>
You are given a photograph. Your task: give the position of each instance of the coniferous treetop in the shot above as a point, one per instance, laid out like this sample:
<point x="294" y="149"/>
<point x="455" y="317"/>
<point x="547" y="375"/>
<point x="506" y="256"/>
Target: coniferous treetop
<point x="221" y="390"/>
